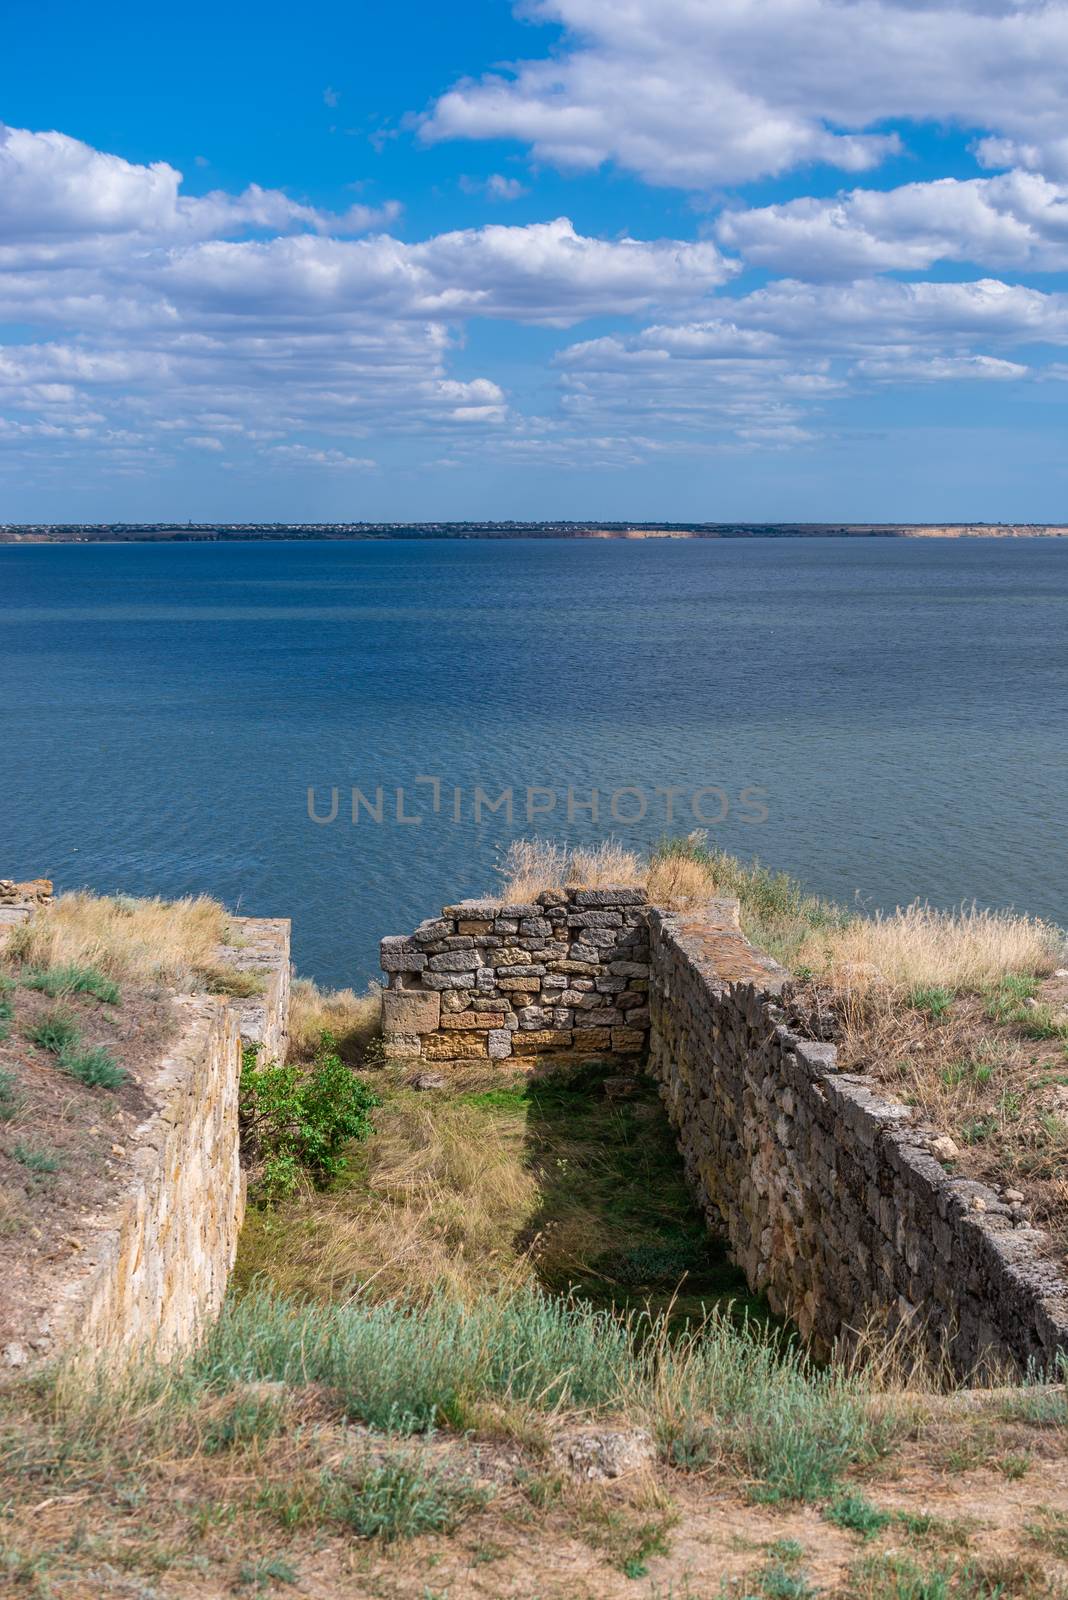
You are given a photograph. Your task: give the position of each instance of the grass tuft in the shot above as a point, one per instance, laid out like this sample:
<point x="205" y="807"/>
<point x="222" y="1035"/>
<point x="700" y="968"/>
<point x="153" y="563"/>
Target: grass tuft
<point x="73" y="979"/>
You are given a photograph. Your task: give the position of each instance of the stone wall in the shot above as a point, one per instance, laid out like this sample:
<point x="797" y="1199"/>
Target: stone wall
<point x="829" y="1195"/>
<point x="157" y="1266"/>
<point x="264" y="952"/>
<point x="566" y="975"/>
<point x="153" y="1268"/>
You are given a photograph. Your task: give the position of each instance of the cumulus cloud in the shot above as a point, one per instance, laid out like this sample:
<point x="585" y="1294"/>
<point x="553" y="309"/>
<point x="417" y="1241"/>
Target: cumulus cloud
<point x="54" y="189"/>
<point x="692" y="94"/>
<point x="769" y="375"/>
<point x="155" y="313"/>
<point x="1018" y="220"/>
<point x="542" y="273"/>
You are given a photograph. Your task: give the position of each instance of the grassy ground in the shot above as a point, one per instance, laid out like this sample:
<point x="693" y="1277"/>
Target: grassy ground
<point x="414" y="1364"/>
<point x="506" y="1181"/>
<point x="361" y="1450"/>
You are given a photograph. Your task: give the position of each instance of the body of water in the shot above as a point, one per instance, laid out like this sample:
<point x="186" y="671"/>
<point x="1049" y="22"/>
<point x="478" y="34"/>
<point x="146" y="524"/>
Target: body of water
<point x="885" y="718"/>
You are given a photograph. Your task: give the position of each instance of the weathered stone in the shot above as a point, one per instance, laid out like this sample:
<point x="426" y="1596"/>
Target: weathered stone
<point x="627" y="1040"/>
<point x="410" y="1011"/>
<point x="473" y="1019"/>
<point x="609" y="897"/>
<point x="474" y="925"/>
<point x="499" y="1044"/>
<point x="455" y="1046"/>
<point x="474" y="911"/>
<point x="527" y="1044"/>
<point x="455" y="961"/>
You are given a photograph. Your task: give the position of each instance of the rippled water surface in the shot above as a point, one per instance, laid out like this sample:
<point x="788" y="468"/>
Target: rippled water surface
<point x="902" y="706"/>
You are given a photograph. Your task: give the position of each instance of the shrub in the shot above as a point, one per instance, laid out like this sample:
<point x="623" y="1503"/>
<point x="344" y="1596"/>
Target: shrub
<point x="295" y="1122"/>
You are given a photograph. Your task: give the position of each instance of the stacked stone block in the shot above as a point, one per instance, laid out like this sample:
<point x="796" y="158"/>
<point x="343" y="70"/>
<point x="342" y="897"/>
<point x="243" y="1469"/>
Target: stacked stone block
<point x="829" y="1195"/>
<point x="565" y="974"/>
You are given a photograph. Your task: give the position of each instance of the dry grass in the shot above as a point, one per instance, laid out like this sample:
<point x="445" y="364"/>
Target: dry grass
<point x="990" y="1069"/>
<point x="143" y="941"/>
<point x="532" y="865"/>
<point x="918" y="946"/>
<point x="352" y="1019"/>
<point x="432" y="1204"/>
<point x="676" y="881"/>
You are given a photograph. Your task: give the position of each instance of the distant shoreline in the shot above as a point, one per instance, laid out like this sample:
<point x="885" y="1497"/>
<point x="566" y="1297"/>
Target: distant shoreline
<point x="238" y="532"/>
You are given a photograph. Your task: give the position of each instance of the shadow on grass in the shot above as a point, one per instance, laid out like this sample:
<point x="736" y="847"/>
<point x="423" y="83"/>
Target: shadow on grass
<point x="615" y="1222"/>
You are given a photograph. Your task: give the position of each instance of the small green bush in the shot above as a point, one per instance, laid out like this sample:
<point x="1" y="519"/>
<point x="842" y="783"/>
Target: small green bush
<point x="857" y="1514"/>
<point x="399" y="1497"/>
<point x="72" y="979"/>
<point x="95" y="1067"/>
<point x="56" y="1032"/>
<point x="934" y="1001"/>
<point x="295" y="1122"/>
<point x="40" y="1162"/>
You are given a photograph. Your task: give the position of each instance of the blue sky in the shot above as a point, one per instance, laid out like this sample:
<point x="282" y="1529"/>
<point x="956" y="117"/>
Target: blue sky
<point x="652" y="258"/>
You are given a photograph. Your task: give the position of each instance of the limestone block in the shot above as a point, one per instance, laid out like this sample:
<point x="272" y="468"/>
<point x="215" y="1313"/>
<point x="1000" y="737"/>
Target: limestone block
<point x="608" y="897"/>
<point x="499" y="1044"/>
<point x="455" y="961"/>
<point x="473" y="1020"/>
<point x="410" y="1011"/>
<point x="592" y="1038"/>
<point x="529" y="1044"/>
<point x="454" y="1046"/>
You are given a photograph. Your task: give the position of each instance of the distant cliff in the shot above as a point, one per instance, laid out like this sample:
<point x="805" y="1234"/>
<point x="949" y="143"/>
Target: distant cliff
<point x="126" y="532"/>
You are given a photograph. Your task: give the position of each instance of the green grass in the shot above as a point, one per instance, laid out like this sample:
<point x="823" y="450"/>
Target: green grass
<point x="856" y="1513"/>
<point x="398" y="1496"/>
<point x="9" y="1096"/>
<point x="615" y="1221"/>
<point x="40" y="1162"/>
<point x="1006" y="1003"/>
<point x="775" y="910"/>
<point x="96" y="1068"/>
<point x="73" y="979"/>
<point x="932" y="1000"/>
<point x="55" y="1032"/>
<point x="960" y="1074"/>
<point x="790" y="1429"/>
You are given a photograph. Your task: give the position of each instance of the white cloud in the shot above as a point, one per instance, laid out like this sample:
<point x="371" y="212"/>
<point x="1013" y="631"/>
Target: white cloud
<point x="498" y="187"/>
<point x="1017" y="220"/>
<point x="542" y="273"/>
<point x="769" y="375"/>
<point x="54" y="189"/>
<point x="303" y="455"/>
<point x="694" y="94"/>
<point x="240" y="346"/>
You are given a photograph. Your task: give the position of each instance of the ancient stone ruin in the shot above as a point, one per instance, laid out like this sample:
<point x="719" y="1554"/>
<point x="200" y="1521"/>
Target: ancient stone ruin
<point x="564" y="976"/>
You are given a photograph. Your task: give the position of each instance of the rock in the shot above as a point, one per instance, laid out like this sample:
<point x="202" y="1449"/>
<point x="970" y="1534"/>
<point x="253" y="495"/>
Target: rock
<point x="427" y="1080"/>
<point x="608" y="1453"/>
<point x="943" y="1147"/>
<point x="1014" y="1196"/>
<point x="620" y="1088"/>
<point x="15" y="1355"/>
